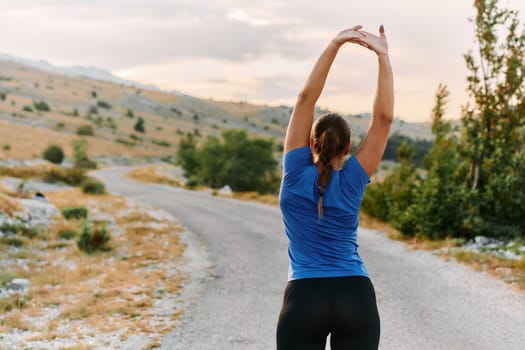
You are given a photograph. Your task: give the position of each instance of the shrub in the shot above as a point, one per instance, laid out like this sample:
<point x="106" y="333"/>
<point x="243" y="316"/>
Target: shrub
<point x="54" y="154"/>
<point x="93" y="239"/>
<point x="27" y="108"/>
<point x="162" y="143"/>
<point x="6" y="147"/>
<point x="139" y="125"/>
<point x="85" y="130"/>
<point x="80" y="157"/>
<point x="75" y="213"/>
<point x="129" y="113"/>
<point x="3" y="96"/>
<point x="92" y="110"/>
<point x="67" y="234"/>
<point x="27" y="231"/>
<point x="70" y="176"/>
<point x="13" y="241"/>
<point x="92" y="185"/>
<point x="41" y="106"/>
<point x="103" y="104"/>
<point x="94" y="94"/>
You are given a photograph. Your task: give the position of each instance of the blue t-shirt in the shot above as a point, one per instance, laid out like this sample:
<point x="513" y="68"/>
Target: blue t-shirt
<point x="326" y="247"/>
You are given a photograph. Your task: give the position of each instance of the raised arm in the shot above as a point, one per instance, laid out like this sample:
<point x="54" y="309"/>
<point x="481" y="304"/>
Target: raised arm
<point x="300" y="124"/>
<point x="373" y="146"/>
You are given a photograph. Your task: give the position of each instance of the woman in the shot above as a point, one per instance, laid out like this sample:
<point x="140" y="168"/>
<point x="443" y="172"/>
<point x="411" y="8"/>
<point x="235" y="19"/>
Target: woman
<point x="329" y="291"/>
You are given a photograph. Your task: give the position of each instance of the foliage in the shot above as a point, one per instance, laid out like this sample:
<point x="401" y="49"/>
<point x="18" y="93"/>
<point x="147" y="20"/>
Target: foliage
<point x="41" y="106"/>
<point x="242" y="163"/>
<point x="27" y="108"/>
<point x="421" y="147"/>
<point x="67" y="234"/>
<point x="75" y="213"/>
<point x="103" y="104"/>
<point x="93" y="239"/>
<point x="85" y="130"/>
<point x="139" y="125"/>
<point x="494" y="122"/>
<point x="93" y="186"/>
<point x="187" y="155"/>
<point x="70" y="176"/>
<point x="129" y="113"/>
<point x="473" y="183"/>
<point x="80" y="157"/>
<point x="54" y="154"/>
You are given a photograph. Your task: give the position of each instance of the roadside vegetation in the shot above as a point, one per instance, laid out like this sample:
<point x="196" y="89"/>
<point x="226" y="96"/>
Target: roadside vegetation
<point x="472" y="180"/>
<point x="105" y="264"/>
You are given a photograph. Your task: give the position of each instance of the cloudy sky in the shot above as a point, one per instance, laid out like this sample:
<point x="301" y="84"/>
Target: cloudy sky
<point x="255" y="51"/>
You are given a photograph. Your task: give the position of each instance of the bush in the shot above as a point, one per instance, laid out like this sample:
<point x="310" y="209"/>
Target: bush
<point x="85" y="130"/>
<point x="13" y="241"/>
<point x="54" y="154"/>
<point x="92" y="185"/>
<point x="139" y="125"/>
<point x="70" y="176"/>
<point x="75" y="213"/>
<point x="67" y="234"/>
<point x="129" y="113"/>
<point x="80" y="157"/>
<point x="27" y="108"/>
<point x="92" y="110"/>
<point x="41" y="106"/>
<point x="93" y="239"/>
<point x="103" y="104"/>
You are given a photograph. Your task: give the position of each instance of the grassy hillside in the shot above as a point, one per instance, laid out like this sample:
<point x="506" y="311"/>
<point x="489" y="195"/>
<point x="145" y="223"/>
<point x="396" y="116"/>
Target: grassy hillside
<point x="27" y="127"/>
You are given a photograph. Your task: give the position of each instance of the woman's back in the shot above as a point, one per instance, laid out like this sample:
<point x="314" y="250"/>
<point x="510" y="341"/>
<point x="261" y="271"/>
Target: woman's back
<point x="326" y="246"/>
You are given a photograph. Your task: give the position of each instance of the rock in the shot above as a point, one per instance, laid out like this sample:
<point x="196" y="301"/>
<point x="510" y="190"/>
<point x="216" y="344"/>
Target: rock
<point x="40" y="210"/>
<point x="481" y="240"/>
<point x="225" y="191"/>
<point x="511" y="255"/>
<point x="18" y="284"/>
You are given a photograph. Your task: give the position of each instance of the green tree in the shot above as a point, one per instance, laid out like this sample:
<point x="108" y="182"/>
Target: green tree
<point x="493" y="121"/>
<point x="187" y="155"/>
<point x="439" y="208"/>
<point x="236" y="160"/>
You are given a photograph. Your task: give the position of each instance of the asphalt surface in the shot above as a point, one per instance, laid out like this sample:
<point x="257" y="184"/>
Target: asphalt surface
<point x="238" y="258"/>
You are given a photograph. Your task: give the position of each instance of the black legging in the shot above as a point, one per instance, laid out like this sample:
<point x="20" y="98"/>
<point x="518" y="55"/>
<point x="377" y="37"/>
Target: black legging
<point x="312" y="308"/>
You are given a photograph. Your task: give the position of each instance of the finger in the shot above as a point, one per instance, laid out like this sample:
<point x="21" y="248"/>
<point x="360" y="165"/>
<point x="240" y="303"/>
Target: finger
<point x="357" y="27"/>
<point x="382" y="31"/>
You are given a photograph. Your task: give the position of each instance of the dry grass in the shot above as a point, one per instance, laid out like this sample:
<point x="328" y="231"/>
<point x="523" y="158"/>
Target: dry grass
<point x="13" y="320"/>
<point x="269" y="199"/>
<point x="109" y="291"/>
<point x="510" y="271"/>
<point x="151" y="174"/>
<point x="9" y="205"/>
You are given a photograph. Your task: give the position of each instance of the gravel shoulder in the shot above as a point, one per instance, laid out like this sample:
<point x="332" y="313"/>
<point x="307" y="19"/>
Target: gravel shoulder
<point x="239" y="256"/>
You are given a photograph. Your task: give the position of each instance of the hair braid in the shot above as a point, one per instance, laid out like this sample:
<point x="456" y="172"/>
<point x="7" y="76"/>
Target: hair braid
<point x="330" y="135"/>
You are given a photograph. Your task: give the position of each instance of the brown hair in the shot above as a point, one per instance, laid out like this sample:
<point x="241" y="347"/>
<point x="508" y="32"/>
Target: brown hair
<point x="330" y="135"/>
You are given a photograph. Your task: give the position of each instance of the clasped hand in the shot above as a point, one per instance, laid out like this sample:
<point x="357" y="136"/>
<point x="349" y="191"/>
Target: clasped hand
<point x="376" y="43"/>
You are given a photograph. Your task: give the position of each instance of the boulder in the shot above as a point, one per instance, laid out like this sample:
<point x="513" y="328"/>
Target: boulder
<point x="18" y="284"/>
<point x="225" y="191"/>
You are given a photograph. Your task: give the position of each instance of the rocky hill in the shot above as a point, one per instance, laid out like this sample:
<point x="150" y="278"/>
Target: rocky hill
<point x="41" y="104"/>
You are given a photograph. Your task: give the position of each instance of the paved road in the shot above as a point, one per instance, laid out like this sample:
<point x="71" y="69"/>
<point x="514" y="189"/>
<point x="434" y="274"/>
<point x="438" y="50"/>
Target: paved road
<point x="239" y="258"/>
